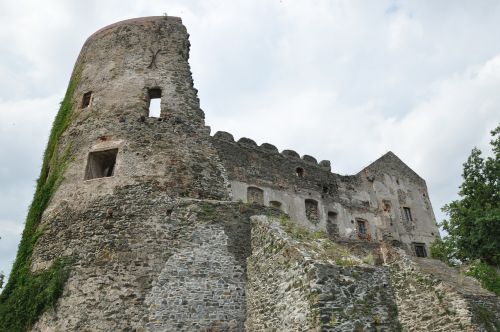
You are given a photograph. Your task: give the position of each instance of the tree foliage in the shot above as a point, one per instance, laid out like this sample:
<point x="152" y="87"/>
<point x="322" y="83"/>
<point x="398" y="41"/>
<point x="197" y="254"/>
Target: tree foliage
<point x="474" y="219"/>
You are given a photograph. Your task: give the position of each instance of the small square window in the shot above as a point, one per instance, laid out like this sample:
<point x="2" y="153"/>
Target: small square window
<point x="420" y="249"/>
<point x="255" y="195"/>
<point x="86" y="99"/>
<point x="101" y="164"/>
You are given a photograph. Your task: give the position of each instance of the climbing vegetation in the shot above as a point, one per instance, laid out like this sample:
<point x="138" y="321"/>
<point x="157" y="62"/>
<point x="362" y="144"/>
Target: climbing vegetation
<point x="27" y="295"/>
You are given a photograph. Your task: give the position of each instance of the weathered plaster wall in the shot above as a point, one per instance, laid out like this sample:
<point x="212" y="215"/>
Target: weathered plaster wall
<point x="388" y="182"/>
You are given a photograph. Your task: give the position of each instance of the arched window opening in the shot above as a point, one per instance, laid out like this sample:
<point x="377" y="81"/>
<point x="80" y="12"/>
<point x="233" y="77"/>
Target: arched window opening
<point x="255" y="195"/>
<point x="312" y="213"/>
<point x="154" y="107"/>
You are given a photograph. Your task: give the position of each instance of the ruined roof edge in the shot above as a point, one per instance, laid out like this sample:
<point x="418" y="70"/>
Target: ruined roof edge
<point x="391" y="157"/>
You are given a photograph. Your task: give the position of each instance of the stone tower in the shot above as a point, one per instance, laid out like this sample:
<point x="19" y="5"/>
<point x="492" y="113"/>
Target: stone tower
<point x="146" y="222"/>
<point x="123" y="173"/>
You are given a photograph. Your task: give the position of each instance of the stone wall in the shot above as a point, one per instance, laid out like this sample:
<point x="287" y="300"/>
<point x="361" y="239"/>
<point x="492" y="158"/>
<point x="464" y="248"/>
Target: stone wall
<point x="156" y="264"/>
<point x="300" y="281"/>
<point x="432" y="296"/>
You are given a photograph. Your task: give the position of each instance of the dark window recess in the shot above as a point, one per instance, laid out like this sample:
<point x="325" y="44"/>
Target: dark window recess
<point x="101" y="164"/>
<point x="300" y="172"/>
<point x="255" y="195"/>
<point x="332" y="228"/>
<point x="386" y="205"/>
<point x="154" y="107"/>
<point x="361" y="227"/>
<point x="86" y="99"/>
<point x="420" y="249"/>
<point x="312" y="213"/>
<point x="275" y="204"/>
<point x="407" y="214"/>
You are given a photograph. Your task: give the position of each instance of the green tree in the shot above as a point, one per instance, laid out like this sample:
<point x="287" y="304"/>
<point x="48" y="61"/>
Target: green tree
<point x="474" y="220"/>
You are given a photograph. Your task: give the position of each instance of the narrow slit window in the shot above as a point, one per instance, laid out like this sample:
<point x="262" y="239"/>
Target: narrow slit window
<point x="86" y="99"/>
<point x="154" y="103"/>
<point x="101" y="164"/>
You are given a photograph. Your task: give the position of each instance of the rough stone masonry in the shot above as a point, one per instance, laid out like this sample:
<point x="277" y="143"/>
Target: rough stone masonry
<point x="171" y="229"/>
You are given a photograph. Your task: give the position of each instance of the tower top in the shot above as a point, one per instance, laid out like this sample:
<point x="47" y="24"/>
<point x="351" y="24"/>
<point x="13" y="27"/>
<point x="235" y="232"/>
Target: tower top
<point x="144" y="21"/>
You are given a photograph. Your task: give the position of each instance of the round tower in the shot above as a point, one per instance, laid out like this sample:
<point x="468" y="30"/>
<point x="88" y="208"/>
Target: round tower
<point x="104" y="218"/>
<point x="113" y="136"/>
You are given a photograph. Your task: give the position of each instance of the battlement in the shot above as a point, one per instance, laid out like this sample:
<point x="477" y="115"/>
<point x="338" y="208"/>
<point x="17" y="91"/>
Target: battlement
<point x="270" y="148"/>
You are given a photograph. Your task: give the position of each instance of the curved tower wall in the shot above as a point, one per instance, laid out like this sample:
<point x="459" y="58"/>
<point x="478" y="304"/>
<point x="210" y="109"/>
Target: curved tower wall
<point x="129" y="229"/>
<point x="119" y="65"/>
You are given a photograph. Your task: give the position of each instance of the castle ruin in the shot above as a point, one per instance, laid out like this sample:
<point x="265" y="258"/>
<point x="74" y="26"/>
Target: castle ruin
<point x="168" y="228"/>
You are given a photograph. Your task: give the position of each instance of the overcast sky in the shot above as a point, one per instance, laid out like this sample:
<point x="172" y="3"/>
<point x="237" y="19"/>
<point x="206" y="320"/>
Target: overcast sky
<point x="340" y="80"/>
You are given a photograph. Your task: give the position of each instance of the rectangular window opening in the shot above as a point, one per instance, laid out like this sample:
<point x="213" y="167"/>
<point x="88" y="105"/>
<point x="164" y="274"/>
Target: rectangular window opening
<point x="101" y="164"/>
<point x="312" y="211"/>
<point x="86" y="99"/>
<point x="361" y="227"/>
<point x="420" y="249"/>
<point x="255" y="195"/>
<point x="154" y="103"/>
<point x="332" y="228"/>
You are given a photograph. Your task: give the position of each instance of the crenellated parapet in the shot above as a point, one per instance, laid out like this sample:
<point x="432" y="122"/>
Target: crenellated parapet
<point x="270" y="148"/>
